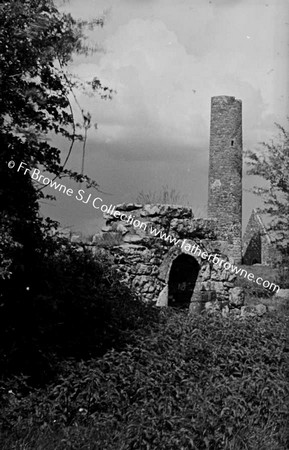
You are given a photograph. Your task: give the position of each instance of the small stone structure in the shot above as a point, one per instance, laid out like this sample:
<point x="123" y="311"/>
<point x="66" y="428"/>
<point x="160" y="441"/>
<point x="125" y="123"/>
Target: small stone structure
<point x="159" y="267"/>
<point x="259" y="246"/>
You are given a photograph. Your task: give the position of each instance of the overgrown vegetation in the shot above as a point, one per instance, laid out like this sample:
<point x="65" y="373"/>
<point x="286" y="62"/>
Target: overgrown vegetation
<point x="169" y="196"/>
<point x="108" y="240"/>
<point x="37" y="42"/>
<point x="271" y="163"/>
<point x="71" y="304"/>
<point x="165" y="195"/>
<point x="254" y="290"/>
<point x="49" y="292"/>
<point x="192" y="383"/>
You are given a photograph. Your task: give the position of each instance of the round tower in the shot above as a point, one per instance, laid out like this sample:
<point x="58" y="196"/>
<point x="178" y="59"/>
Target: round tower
<point x="225" y="171"/>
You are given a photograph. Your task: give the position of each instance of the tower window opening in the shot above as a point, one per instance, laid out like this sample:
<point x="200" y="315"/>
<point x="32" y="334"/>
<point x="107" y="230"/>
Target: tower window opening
<point x="232" y="143"/>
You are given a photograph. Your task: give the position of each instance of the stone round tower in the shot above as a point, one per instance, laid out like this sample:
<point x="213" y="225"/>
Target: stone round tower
<point x="225" y="170"/>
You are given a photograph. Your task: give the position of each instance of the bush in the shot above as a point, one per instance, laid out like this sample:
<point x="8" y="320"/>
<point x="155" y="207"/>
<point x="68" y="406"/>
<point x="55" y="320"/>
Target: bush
<point x="253" y="289"/>
<point x="67" y="303"/>
<point x="194" y="383"/>
<point x="283" y="274"/>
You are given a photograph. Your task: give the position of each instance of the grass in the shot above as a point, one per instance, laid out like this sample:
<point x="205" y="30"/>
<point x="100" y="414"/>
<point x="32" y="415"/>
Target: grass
<point x="190" y="382"/>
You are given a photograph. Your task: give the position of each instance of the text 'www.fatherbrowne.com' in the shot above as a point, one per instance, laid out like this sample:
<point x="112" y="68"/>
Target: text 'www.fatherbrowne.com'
<point x="97" y="203"/>
<point x="194" y="249"/>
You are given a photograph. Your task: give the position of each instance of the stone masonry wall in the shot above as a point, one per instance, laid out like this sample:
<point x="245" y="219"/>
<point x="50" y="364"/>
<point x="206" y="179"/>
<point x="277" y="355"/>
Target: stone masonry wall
<point x="225" y="169"/>
<point x="144" y="260"/>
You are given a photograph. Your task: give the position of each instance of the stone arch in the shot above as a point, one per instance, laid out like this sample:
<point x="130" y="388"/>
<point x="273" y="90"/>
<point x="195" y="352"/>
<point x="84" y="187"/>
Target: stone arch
<point x="164" y="275"/>
<point x="172" y="254"/>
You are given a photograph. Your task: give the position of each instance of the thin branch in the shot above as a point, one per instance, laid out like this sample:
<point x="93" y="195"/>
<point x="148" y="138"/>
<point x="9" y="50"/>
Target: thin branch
<point x="73" y="124"/>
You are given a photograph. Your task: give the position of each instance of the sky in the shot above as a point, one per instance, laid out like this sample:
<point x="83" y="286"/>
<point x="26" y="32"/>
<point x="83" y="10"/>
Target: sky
<point x="165" y="59"/>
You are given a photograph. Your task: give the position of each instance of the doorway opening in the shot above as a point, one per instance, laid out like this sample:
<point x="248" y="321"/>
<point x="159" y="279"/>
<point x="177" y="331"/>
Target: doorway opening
<point x="182" y="279"/>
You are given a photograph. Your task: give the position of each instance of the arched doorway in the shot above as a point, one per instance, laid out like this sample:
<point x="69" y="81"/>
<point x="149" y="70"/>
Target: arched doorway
<point x="182" y="279"/>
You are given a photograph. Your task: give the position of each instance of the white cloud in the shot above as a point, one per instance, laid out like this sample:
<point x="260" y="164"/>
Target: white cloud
<point x="165" y="67"/>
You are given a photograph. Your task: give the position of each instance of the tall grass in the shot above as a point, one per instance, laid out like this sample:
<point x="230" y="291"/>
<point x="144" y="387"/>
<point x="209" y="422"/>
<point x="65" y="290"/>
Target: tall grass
<point x="192" y="382"/>
<point x="169" y="196"/>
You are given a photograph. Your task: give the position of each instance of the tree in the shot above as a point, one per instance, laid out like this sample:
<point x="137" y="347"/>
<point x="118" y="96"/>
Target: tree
<point x="40" y="276"/>
<point x="272" y="164"/>
<point x="37" y="43"/>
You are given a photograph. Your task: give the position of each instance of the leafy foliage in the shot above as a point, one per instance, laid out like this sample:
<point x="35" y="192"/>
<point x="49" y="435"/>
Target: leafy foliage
<point x="194" y="383"/>
<point x="36" y="44"/>
<point x="253" y="289"/>
<point x="272" y="164"/>
<point x="69" y="304"/>
<point x="283" y="274"/>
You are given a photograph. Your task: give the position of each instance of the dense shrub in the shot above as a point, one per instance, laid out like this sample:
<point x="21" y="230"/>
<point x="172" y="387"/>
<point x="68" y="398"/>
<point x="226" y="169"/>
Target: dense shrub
<point x="67" y="303"/>
<point x="283" y="273"/>
<point x="253" y="289"/>
<point x="194" y="383"/>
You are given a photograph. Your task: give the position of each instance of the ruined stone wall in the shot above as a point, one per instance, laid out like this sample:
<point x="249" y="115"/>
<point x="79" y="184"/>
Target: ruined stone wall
<point x="144" y="260"/>
<point x="225" y="170"/>
<point x="258" y="247"/>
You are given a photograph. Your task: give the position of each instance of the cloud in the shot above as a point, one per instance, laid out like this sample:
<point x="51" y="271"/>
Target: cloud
<point x="166" y="67"/>
<point x="163" y="92"/>
<point x="166" y="59"/>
